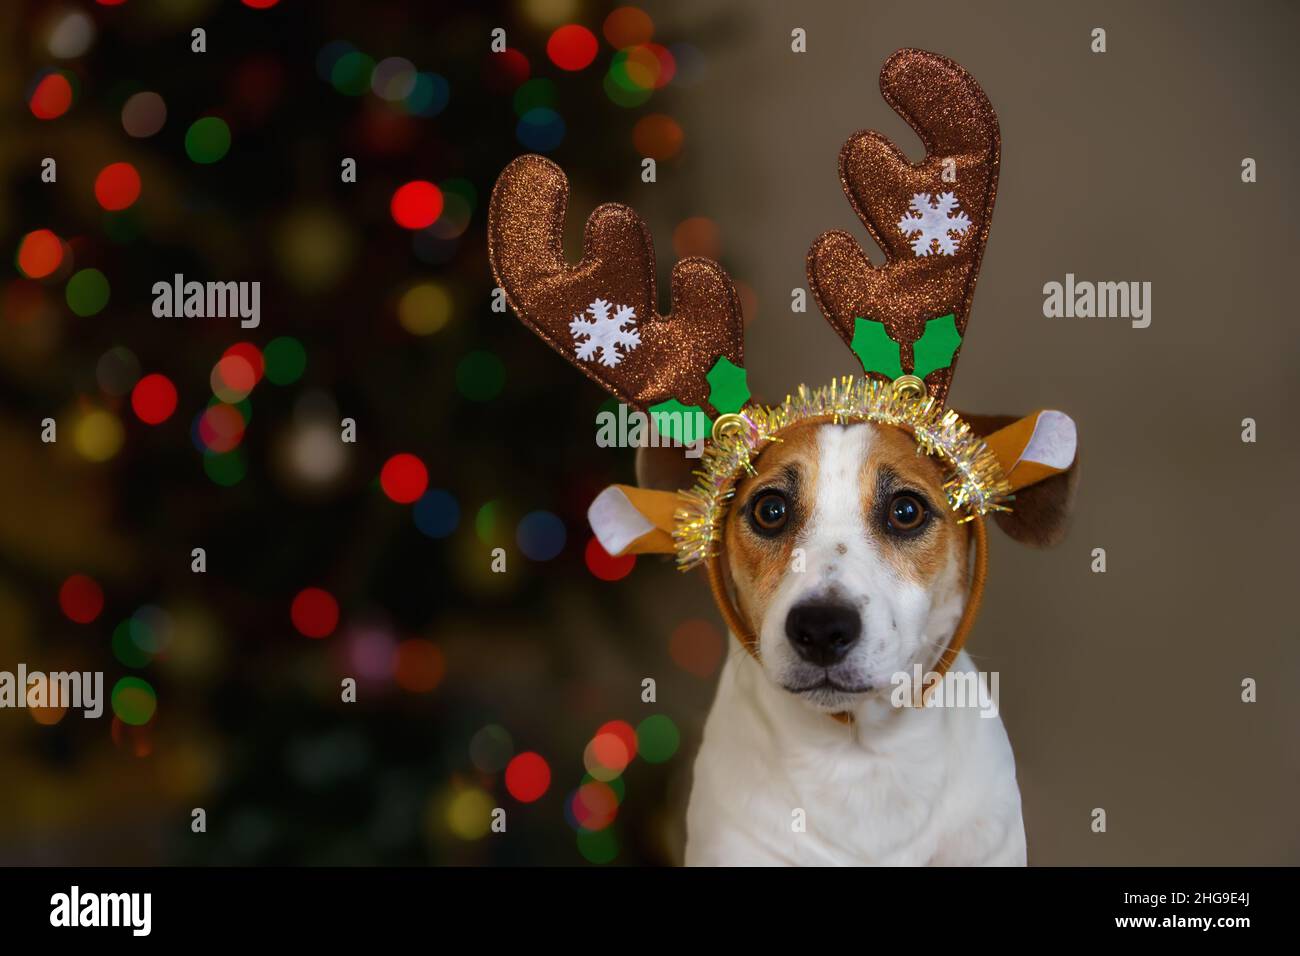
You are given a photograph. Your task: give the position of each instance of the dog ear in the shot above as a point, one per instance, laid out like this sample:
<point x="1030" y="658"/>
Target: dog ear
<point x="664" y="468"/>
<point x="1040" y="456"/>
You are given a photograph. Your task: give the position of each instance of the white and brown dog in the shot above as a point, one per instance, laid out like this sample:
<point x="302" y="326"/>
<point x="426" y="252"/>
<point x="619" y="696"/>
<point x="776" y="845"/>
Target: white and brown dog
<point x="843" y="552"/>
<point x="844" y="548"/>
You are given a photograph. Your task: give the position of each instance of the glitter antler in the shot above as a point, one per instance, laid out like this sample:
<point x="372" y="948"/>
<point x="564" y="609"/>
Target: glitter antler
<point x="931" y="220"/>
<point x="601" y="313"/>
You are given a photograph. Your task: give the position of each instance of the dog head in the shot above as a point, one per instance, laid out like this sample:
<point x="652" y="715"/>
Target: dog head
<point x="847" y="560"/>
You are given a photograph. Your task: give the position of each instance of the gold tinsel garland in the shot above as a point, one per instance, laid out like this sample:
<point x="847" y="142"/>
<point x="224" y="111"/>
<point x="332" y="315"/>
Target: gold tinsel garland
<point x="975" y="486"/>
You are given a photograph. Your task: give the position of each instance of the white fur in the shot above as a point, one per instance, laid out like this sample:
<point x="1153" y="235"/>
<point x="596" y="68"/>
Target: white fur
<point x="898" y="786"/>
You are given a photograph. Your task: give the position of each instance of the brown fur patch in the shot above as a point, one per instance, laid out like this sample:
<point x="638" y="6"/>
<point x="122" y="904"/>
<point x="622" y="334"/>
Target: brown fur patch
<point x="923" y="558"/>
<point x="757" y="564"/>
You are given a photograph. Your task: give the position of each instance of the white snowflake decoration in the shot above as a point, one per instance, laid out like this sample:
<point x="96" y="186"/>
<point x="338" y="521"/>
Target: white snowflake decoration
<point x="605" y="338"/>
<point x="932" y="219"/>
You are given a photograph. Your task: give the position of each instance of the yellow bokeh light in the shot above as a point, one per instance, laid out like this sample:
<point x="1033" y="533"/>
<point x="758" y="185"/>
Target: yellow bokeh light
<point x="469" y="813"/>
<point x="97" y="435"/>
<point x="549" y="13"/>
<point x="424" y="308"/>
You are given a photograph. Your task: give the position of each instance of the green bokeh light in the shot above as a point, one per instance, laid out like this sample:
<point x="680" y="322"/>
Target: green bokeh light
<point x="134" y="701"/>
<point x="127" y="650"/>
<point x="286" y="360"/>
<point x="351" y="73"/>
<point x="207" y="140"/>
<point x="480" y="376"/>
<point x="600" y="846"/>
<point x="87" y="292"/>
<point x="226" y="469"/>
<point x="657" y="738"/>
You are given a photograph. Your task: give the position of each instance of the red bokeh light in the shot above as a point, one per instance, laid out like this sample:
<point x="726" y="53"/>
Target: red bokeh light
<point x="52" y="97"/>
<point x="404" y="478"/>
<point x="624" y="732"/>
<point x="117" y="186"/>
<point x="221" y="428"/>
<point x="153" y="399"/>
<point x="527" y="777"/>
<point x="314" y="612"/>
<point x="506" y="70"/>
<point x="251" y="354"/>
<point x="417" y="205"/>
<point x="572" y="47"/>
<point x="81" y="599"/>
<point x="606" y="566"/>
<point x="39" y="253"/>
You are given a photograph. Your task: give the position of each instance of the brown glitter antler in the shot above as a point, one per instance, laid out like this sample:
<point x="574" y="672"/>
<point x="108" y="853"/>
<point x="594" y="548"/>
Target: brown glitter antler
<point x="909" y="315"/>
<point x="600" y="314"/>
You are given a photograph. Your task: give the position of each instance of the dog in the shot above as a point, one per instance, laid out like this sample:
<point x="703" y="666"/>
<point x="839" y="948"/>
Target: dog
<point x="843" y="552"/>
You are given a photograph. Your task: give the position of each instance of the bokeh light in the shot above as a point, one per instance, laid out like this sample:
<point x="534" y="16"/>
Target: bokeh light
<point x="232" y="378"/>
<point x="572" y="47"/>
<point x="40" y="252"/>
<point x="697" y="236"/>
<point x="437" y="513"/>
<point x="225" y="468"/>
<point x="97" y="434"/>
<point x="419" y="666"/>
<point x="144" y="114"/>
<point x="628" y="26"/>
<point x="404" y="478"/>
<point x="593" y="806"/>
<point x="657" y="136"/>
<point x="416" y="204"/>
<point x="351" y="73"/>
<point x="696" y="647"/>
<point x="393" y="79"/>
<point x="87" y="292"/>
<point x="606" y="756"/>
<point x="657" y="738"/>
<point x="117" y="371"/>
<point x="540" y="535"/>
<point x="117" y="186"/>
<point x="286" y="360"/>
<point x="540" y="129"/>
<point x="600" y="846"/>
<point x="52" y="95"/>
<point x="528" y="777"/>
<point x="469" y="813"/>
<point x="424" y="308"/>
<point x="153" y="399"/>
<point x="221" y="428"/>
<point x="606" y="566"/>
<point x="491" y="748"/>
<point x="480" y="376"/>
<point x="207" y="140"/>
<point x="81" y="598"/>
<point x="72" y="35"/>
<point x="314" y="612"/>
<point x="429" y="95"/>
<point x="134" y="701"/>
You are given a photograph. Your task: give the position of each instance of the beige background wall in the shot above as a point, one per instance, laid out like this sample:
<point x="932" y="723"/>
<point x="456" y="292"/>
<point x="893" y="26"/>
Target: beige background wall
<point x="1119" y="690"/>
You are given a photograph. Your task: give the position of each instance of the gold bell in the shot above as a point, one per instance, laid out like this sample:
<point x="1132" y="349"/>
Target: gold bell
<point x="910" y="385"/>
<point x="729" y="424"/>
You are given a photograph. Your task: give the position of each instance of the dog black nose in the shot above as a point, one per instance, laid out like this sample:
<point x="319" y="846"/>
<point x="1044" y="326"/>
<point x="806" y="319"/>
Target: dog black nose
<point x="823" y="633"/>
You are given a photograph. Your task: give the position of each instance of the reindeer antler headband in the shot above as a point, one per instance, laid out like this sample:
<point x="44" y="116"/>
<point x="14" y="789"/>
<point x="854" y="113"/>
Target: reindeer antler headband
<point x="905" y="320"/>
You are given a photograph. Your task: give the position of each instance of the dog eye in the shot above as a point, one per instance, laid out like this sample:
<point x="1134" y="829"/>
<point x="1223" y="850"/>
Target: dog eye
<point x="906" y="513"/>
<point x="770" y="511"/>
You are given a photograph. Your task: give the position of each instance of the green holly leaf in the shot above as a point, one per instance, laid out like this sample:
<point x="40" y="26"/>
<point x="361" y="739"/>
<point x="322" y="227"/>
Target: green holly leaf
<point x="683" y="423"/>
<point x="936" y="346"/>
<point x="875" y="349"/>
<point x="729" y="386"/>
